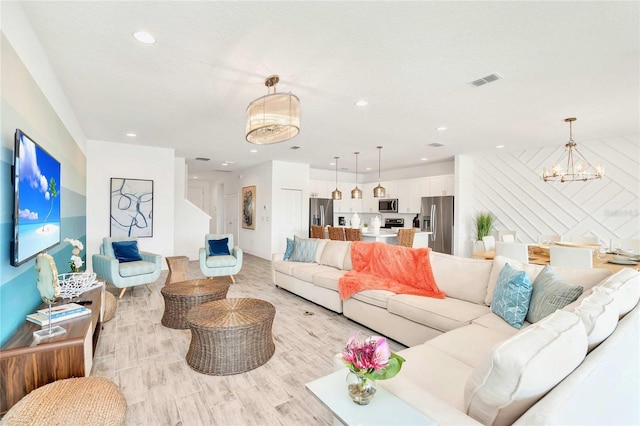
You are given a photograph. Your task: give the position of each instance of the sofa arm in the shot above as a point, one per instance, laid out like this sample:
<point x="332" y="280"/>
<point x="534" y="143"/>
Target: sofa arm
<point x="275" y="257"/>
<point x="238" y="254"/>
<point x="202" y="255"/>
<point x="105" y="267"/>
<point x="152" y="257"/>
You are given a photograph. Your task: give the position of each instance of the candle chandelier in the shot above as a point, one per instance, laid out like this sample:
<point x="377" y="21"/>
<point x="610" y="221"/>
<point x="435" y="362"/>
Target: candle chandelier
<point x="575" y="167"/>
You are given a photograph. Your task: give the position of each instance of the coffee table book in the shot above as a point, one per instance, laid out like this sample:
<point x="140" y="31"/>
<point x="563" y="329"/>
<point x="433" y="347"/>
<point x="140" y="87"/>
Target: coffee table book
<point x="42" y="320"/>
<point x="62" y="310"/>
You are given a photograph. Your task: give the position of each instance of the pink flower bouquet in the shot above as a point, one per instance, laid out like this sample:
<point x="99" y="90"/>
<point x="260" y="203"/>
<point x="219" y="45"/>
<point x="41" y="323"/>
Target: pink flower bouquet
<point x="371" y="357"/>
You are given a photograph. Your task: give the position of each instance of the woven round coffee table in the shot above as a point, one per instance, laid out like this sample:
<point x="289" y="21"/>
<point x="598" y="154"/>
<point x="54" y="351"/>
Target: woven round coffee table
<point x="180" y="297"/>
<point x="230" y="336"/>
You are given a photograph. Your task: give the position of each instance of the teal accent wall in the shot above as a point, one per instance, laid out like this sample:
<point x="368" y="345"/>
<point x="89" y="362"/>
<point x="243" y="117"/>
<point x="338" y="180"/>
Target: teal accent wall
<point x="23" y="106"/>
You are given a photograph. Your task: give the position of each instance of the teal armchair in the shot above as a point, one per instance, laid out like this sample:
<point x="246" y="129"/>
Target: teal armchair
<point x="220" y="265"/>
<point x="127" y="274"/>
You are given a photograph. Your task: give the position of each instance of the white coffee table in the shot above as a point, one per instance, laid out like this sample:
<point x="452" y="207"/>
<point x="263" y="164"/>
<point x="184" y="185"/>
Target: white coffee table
<point x="384" y="409"/>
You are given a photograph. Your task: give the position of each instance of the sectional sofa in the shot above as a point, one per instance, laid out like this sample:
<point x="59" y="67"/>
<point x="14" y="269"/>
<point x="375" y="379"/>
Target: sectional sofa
<point x="466" y="365"/>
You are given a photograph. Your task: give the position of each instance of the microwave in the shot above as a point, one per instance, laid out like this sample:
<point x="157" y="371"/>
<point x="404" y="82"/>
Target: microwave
<point x="389" y="205"/>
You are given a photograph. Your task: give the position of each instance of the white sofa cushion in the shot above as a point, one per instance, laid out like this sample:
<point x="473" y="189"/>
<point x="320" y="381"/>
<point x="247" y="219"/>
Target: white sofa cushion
<point x="441" y="314"/>
<point x="374" y="297"/>
<point x="624" y="287"/>
<point x="328" y="278"/>
<point x="469" y="344"/>
<point x="319" y="250"/>
<point x="523" y="368"/>
<point x="599" y="315"/>
<point x="494" y="322"/>
<point x="306" y="271"/>
<point x="286" y="266"/>
<point x="334" y="253"/>
<point x="460" y="277"/>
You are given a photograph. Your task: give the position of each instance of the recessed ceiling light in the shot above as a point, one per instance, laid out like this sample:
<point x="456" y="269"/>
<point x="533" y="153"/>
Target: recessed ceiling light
<point x="144" y="37"/>
<point x="361" y="103"/>
<point x="229" y="162"/>
<point x="441" y="128"/>
<point x="499" y="146"/>
<point x="368" y="168"/>
<point x="131" y="135"/>
<point x="195" y="177"/>
<point x="225" y="164"/>
<point x="424" y="159"/>
<point x="253" y="151"/>
<point x="332" y="164"/>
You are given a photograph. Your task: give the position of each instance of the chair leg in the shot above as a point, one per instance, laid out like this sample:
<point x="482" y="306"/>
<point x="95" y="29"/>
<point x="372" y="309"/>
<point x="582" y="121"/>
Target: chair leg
<point x="122" y="293"/>
<point x="233" y="280"/>
<point x="149" y="288"/>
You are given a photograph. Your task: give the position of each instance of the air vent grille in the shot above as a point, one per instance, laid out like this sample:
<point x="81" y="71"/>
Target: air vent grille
<point x="436" y="144"/>
<point x="202" y="159"/>
<point x="295" y="147"/>
<point x="484" y="80"/>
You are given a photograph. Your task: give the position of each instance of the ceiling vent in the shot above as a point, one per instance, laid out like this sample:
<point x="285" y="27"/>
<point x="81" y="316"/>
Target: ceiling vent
<point x="295" y="147"/>
<point x="436" y="144"/>
<point x="202" y="159"/>
<point x="484" y="80"/>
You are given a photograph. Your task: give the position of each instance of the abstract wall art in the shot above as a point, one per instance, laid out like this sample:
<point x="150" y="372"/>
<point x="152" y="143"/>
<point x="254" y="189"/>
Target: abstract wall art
<point x="131" y="207"/>
<point x="249" y="207"/>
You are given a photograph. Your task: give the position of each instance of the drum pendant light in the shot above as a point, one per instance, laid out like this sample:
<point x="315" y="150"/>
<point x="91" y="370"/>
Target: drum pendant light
<point x="356" y="192"/>
<point x="336" y="194"/>
<point x="273" y="118"/>
<point x="379" y="191"/>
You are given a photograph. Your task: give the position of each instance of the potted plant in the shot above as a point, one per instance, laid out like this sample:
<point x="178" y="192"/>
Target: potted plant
<point x="484" y="223"/>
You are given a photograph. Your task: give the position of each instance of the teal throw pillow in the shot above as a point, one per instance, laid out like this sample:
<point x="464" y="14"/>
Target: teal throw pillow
<point x="126" y="251"/>
<point x="550" y="293"/>
<point x="304" y="249"/>
<point x="512" y="296"/>
<point x="289" y="250"/>
<point x="219" y="247"/>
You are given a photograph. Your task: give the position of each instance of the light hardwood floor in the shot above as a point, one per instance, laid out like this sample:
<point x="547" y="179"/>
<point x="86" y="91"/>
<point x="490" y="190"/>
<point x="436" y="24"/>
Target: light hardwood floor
<point x="147" y="360"/>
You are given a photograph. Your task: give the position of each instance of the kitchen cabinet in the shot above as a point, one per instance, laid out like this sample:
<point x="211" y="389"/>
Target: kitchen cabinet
<point x="320" y="188"/>
<point x="391" y="188"/>
<point x="442" y="185"/>
<point x="409" y="195"/>
<point x="347" y="204"/>
<point x="369" y="202"/>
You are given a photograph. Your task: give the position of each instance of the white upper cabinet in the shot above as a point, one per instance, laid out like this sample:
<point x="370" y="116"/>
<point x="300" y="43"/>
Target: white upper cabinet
<point x="442" y="185"/>
<point x="369" y="202"/>
<point x="409" y="195"/>
<point x="391" y="188"/>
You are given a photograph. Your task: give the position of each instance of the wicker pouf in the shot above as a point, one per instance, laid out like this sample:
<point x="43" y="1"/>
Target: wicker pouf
<point x="110" y="303"/>
<point x="180" y="297"/>
<point x="85" y="400"/>
<point x="230" y="336"/>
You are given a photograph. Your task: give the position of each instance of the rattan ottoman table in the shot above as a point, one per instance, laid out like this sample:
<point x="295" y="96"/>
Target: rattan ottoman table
<point x="180" y="297"/>
<point x="230" y="336"/>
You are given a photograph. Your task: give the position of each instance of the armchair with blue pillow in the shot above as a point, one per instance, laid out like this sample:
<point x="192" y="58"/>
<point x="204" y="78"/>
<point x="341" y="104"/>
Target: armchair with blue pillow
<point x="121" y="264"/>
<point x="219" y="257"/>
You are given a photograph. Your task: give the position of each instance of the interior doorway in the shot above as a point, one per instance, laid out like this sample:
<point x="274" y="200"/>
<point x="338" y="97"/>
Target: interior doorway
<point x="231" y="216"/>
<point x="289" y="215"/>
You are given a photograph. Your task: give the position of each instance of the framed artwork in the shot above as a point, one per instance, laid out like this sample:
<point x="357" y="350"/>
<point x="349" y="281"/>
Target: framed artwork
<point x="131" y="207"/>
<point x="249" y="207"/>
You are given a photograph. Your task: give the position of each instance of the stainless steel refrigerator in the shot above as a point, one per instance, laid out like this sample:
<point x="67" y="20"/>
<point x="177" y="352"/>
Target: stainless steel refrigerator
<point x="320" y="212"/>
<point x="437" y="217"/>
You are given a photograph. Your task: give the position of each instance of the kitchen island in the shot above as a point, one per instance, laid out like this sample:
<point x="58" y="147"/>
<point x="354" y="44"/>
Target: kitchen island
<point x="390" y="236"/>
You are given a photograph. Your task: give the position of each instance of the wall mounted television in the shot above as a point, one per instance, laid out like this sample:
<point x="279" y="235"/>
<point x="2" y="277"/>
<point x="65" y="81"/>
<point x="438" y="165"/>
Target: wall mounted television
<point x="36" y="206"/>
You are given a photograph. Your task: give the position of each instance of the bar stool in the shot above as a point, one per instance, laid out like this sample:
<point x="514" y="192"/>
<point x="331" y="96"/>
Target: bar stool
<point x="353" y="234"/>
<point x="336" y="233"/>
<point x="405" y="236"/>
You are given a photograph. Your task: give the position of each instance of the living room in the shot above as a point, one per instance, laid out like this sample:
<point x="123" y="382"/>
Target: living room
<point x="504" y="181"/>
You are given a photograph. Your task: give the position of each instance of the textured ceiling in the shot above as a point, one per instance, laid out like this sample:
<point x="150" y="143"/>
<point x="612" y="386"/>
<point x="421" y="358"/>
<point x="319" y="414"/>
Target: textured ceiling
<point x="412" y="61"/>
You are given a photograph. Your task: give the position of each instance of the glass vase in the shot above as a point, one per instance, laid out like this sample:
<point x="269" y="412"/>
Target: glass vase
<point x="361" y="388"/>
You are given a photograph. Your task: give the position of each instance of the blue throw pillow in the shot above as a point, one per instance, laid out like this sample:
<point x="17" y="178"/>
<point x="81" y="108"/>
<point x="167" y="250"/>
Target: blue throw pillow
<point x="126" y="251"/>
<point x="219" y="247"/>
<point x="304" y="250"/>
<point x="512" y="296"/>
<point x="289" y="250"/>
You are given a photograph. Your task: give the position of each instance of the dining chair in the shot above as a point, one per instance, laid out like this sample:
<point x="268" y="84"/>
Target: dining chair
<point x="336" y="233"/>
<point x="627" y="245"/>
<point x="584" y="239"/>
<point x="317" y="231"/>
<point x="507" y="235"/>
<point x="515" y="251"/>
<point x="406" y="236"/>
<point x="549" y="238"/>
<point x="353" y="234"/>
<point x="575" y="257"/>
<point x="489" y="243"/>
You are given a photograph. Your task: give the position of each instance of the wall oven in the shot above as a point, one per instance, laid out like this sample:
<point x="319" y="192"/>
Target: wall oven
<point x="389" y="205"/>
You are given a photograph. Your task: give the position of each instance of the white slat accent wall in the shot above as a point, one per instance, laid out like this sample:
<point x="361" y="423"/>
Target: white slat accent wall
<point x="508" y="185"/>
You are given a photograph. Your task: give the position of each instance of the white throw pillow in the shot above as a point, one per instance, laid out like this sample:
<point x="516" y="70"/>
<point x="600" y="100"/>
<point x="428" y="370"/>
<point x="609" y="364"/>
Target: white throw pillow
<point x="599" y="315"/>
<point x="334" y="253"/>
<point x="523" y="368"/>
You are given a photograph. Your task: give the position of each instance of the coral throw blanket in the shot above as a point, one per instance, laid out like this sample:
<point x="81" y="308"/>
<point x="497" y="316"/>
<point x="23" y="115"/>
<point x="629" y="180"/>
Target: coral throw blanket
<point x="380" y="266"/>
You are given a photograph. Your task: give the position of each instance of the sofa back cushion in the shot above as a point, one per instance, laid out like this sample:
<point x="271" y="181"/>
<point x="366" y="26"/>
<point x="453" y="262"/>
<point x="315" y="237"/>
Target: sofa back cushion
<point x="460" y="277"/>
<point x="334" y="253"/>
<point x="523" y="368"/>
<point x="624" y="287"/>
<point x="599" y="315"/>
<point x="322" y="243"/>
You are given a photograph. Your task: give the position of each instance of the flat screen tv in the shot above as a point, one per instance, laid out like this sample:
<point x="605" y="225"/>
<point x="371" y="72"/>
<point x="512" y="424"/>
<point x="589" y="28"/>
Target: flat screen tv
<point x="36" y="206"/>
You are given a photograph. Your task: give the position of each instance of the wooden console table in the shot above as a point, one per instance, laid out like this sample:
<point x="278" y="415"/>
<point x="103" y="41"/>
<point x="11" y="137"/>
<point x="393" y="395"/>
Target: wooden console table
<point x="26" y="365"/>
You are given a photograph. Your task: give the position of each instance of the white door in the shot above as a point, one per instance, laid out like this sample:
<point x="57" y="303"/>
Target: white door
<point x="231" y="216"/>
<point x="289" y="214"/>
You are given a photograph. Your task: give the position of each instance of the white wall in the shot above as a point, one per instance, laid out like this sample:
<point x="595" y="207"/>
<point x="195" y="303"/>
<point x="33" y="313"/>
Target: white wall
<point x="109" y="159"/>
<point x="293" y="176"/>
<point x="464" y="230"/>
<point x="256" y="241"/>
<point x="509" y="186"/>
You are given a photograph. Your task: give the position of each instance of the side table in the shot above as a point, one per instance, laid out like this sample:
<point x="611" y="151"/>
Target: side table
<point x="177" y="269"/>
